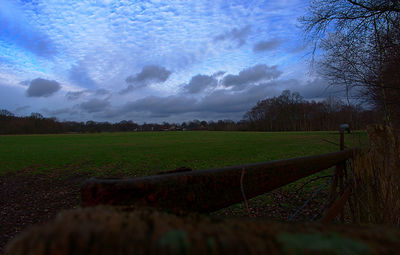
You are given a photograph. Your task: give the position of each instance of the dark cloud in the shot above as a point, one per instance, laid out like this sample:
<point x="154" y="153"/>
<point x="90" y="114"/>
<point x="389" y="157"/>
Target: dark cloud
<point x="318" y="89"/>
<point x="149" y="74"/>
<point x="299" y="48"/>
<point x="58" y="111"/>
<point x="128" y="89"/>
<point x="25" y="83"/>
<point x="222" y="101"/>
<point x="237" y="35"/>
<point x="251" y="75"/>
<point x="218" y="103"/>
<point x="42" y="88"/>
<point x="10" y="95"/>
<point x="200" y="83"/>
<point x="22" y="108"/>
<point x="267" y="45"/>
<point x="218" y="74"/>
<point x="313" y="89"/>
<point x="74" y="95"/>
<point x="78" y="74"/>
<point x="102" y="92"/>
<point x="95" y="105"/>
<point x="160" y="106"/>
<point x="152" y="73"/>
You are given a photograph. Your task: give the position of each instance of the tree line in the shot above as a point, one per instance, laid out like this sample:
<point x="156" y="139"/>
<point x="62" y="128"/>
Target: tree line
<point x="287" y="112"/>
<point x="290" y="112"/>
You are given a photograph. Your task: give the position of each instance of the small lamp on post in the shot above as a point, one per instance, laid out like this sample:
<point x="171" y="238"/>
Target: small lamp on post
<point x="344" y="127"/>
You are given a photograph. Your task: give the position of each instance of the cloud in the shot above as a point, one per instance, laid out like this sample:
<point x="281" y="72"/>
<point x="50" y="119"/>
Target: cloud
<point x="78" y="74"/>
<point x="20" y="31"/>
<point x="179" y="37"/>
<point x="299" y="48"/>
<point x="102" y="92"/>
<point x="74" y="95"/>
<point x="267" y="45"/>
<point x="42" y="88"/>
<point x="237" y="102"/>
<point x="4" y="60"/>
<point x="218" y="103"/>
<point x="22" y="108"/>
<point x="199" y="83"/>
<point x="160" y="106"/>
<point x="128" y="89"/>
<point x="25" y="83"/>
<point x="237" y="35"/>
<point x="95" y="105"/>
<point x="251" y="75"/>
<point x="149" y="74"/>
<point x="58" y="111"/>
<point x="218" y="74"/>
<point x="317" y="89"/>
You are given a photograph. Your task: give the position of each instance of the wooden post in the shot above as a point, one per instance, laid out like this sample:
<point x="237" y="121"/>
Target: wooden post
<point x="338" y="178"/>
<point x="341" y="172"/>
<point x="337" y="207"/>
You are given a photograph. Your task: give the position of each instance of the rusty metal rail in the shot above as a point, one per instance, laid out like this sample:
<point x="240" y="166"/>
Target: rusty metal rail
<point x="206" y="190"/>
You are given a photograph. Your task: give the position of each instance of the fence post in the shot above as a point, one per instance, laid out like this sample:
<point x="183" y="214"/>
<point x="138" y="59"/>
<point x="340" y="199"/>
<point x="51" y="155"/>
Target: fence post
<point x="339" y="171"/>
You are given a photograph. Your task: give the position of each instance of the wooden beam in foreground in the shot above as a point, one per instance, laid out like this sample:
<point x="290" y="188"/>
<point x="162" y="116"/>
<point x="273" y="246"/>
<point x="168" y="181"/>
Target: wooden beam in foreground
<point x="206" y="190"/>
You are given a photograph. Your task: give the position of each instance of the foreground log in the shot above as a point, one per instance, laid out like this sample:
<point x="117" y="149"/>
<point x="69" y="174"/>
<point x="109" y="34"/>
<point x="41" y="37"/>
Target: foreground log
<point x="206" y="190"/>
<point x="107" y="230"/>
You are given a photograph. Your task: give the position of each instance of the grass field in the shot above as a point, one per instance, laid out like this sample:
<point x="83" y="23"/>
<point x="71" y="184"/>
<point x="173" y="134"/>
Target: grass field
<point x="41" y="175"/>
<point x="146" y="153"/>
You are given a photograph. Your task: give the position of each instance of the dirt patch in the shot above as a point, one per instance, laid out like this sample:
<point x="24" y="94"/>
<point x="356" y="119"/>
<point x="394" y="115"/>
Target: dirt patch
<point x="27" y="199"/>
<point x="281" y="205"/>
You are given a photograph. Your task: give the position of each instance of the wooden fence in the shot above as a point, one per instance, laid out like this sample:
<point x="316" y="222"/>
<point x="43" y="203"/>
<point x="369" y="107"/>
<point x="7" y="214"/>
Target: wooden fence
<point x="212" y="189"/>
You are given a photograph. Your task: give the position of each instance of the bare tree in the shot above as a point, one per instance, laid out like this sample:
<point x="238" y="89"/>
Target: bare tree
<point x="6" y="113"/>
<point x="360" y="40"/>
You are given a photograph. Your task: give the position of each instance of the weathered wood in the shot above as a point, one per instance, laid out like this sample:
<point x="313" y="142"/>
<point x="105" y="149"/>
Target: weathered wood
<point x="337" y="207"/>
<point x="206" y="190"/>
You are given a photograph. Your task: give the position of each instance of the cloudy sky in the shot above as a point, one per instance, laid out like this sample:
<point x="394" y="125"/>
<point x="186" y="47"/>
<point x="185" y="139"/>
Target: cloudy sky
<point x="151" y="61"/>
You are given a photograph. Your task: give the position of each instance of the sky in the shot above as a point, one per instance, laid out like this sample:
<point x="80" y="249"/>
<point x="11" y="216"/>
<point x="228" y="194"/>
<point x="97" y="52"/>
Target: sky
<point x="151" y="61"/>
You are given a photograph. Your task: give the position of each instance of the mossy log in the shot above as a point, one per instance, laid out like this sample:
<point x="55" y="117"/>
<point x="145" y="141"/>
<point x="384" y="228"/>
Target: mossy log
<point x="110" y="230"/>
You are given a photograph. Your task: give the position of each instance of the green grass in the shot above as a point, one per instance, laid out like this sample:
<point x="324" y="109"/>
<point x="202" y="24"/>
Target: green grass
<point x="147" y="153"/>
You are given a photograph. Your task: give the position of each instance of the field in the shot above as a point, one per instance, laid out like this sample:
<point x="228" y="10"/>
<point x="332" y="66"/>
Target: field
<point x="40" y="175"/>
<point x="138" y="154"/>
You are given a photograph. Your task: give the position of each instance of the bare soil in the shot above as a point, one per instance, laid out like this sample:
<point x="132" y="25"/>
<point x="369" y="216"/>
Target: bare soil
<point x="27" y="199"/>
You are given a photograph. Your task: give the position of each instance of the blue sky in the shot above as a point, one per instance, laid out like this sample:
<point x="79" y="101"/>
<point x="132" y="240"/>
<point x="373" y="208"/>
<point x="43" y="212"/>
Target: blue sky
<point x="151" y="61"/>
